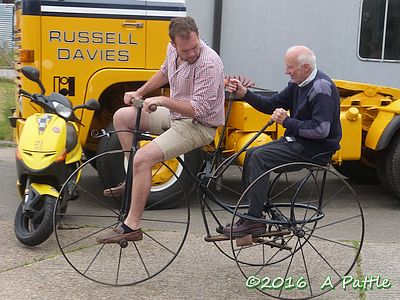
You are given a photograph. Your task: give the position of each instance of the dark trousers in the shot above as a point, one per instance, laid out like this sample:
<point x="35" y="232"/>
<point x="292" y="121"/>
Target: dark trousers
<point x="265" y="157"/>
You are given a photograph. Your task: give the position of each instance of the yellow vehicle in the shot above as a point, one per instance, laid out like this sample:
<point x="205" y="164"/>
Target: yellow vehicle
<point x="48" y="154"/>
<point x="88" y="49"/>
<point x="371" y="134"/>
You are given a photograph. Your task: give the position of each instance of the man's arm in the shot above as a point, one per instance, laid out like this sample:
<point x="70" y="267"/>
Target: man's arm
<point x="182" y="107"/>
<point x="322" y="106"/>
<point x="156" y="81"/>
<point x="262" y="103"/>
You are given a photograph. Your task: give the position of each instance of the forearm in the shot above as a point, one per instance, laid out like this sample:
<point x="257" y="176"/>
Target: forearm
<point x="182" y="107"/>
<point x="158" y="80"/>
<point x="259" y="102"/>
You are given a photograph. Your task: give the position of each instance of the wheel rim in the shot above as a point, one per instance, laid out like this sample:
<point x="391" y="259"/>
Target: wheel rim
<point x="114" y="264"/>
<point x="325" y="235"/>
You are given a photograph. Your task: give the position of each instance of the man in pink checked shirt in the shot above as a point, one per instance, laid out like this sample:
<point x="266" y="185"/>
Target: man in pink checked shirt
<point x="184" y="121"/>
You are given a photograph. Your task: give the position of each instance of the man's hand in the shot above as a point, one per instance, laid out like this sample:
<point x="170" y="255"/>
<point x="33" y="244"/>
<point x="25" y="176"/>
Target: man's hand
<point x="131" y="95"/>
<point x="279" y="115"/>
<point x="235" y="86"/>
<point x="150" y="104"/>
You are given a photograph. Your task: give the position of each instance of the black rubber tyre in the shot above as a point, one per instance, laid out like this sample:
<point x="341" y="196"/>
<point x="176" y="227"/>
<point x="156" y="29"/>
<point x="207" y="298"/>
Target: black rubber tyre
<point x="358" y="172"/>
<point x="163" y="195"/>
<point x="314" y="229"/>
<point x="126" y="263"/>
<point x="35" y="229"/>
<point x="389" y="167"/>
<point x="88" y="155"/>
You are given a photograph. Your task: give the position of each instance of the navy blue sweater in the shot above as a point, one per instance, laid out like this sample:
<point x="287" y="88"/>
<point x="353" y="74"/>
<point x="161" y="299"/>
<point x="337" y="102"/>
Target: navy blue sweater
<point x="314" y="112"/>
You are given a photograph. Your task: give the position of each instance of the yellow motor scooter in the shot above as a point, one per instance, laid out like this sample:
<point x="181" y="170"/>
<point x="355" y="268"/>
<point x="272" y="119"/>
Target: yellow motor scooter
<point x="48" y="153"/>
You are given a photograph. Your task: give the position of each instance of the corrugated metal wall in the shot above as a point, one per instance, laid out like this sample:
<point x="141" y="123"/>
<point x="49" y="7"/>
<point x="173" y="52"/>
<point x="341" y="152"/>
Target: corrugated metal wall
<point x="6" y="26"/>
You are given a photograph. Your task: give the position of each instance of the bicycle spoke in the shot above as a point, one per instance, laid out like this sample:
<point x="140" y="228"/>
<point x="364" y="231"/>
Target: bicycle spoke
<point x="141" y="259"/>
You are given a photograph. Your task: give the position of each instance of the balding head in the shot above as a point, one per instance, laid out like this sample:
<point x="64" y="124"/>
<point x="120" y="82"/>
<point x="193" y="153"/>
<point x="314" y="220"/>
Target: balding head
<point x="303" y="55"/>
<point x="300" y="62"/>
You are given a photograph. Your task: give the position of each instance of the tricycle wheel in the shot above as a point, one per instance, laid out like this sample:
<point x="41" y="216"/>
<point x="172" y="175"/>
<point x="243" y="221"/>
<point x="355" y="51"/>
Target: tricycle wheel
<point x="314" y="233"/>
<point x="35" y="227"/>
<point x="124" y="263"/>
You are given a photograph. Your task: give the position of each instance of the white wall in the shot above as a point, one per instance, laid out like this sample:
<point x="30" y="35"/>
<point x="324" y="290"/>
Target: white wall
<point x="256" y="34"/>
<point x="203" y="13"/>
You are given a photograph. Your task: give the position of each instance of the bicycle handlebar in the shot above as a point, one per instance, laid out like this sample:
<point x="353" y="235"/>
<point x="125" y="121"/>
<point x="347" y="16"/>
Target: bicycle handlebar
<point x="138" y="103"/>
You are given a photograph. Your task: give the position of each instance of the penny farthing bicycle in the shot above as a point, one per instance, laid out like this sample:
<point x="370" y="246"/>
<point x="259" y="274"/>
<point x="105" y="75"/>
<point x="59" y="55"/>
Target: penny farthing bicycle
<point x="314" y="223"/>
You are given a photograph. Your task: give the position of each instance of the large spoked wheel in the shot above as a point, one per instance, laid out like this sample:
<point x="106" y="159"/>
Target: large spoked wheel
<point x="116" y="264"/>
<point x="314" y="233"/>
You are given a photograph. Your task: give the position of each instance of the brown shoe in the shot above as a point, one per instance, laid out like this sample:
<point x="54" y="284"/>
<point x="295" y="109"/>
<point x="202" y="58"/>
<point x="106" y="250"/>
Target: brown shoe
<point x="116" y="235"/>
<point x="115" y="191"/>
<point x="243" y="227"/>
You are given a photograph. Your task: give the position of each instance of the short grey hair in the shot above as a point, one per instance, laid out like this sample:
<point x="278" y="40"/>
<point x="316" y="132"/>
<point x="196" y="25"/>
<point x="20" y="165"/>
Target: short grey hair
<point x="305" y="57"/>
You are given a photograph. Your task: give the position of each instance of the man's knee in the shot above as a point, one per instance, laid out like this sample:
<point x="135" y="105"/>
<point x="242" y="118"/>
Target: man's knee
<point x="147" y="156"/>
<point x="124" y="117"/>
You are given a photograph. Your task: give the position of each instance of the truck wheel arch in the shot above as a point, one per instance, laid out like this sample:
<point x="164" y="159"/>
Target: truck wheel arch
<point x="388" y="133"/>
<point x="103" y="79"/>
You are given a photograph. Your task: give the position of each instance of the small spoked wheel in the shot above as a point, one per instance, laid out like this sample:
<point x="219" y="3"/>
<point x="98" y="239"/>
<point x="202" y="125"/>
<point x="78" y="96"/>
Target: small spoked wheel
<point x="224" y="184"/>
<point x="314" y="231"/>
<point x="126" y="262"/>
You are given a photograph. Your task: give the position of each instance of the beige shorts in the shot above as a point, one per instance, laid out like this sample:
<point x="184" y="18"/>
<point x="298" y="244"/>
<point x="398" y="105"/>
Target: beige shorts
<point x="177" y="137"/>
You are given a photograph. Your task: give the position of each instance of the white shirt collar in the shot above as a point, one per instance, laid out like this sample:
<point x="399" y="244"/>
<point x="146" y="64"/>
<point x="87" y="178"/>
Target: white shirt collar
<point x="309" y="78"/>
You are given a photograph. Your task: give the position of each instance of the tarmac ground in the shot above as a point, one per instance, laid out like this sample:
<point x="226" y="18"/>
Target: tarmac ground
<point x="200" y="271"/>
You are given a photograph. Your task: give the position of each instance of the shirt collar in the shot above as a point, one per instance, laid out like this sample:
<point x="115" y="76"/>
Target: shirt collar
<point x="309" y="78"/>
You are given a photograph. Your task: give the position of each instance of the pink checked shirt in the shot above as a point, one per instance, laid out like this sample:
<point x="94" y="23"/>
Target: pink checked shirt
<point x="201" y="83"/>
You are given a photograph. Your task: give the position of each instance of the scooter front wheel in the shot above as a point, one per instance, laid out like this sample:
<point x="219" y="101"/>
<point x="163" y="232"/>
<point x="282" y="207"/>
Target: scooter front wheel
<point x="35" y="227"/>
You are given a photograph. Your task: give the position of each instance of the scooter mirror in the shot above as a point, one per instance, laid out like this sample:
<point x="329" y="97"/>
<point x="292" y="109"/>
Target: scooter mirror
<point x="92" y="104"/>
<point x="33" y="74"/>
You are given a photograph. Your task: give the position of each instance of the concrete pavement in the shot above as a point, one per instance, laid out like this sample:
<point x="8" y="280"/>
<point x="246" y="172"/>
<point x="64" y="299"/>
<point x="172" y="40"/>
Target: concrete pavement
<point x="199" y="272"/>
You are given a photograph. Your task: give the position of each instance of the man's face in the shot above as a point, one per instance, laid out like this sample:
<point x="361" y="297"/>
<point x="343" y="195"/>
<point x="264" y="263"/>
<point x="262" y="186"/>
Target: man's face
<point x="298" y="73"/>
<point x="188" y="49"/>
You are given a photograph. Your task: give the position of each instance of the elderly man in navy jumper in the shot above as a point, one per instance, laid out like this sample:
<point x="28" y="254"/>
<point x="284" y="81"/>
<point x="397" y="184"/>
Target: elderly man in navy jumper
<point x="312" y="133"/>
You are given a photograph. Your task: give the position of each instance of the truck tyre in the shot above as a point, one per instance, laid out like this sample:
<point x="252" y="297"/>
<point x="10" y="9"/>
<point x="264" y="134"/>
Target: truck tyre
<point x="389" y="167"/>
<point x="163" y="196"/>
<point x="358" y="172"/>
<point x="32" y="230"/>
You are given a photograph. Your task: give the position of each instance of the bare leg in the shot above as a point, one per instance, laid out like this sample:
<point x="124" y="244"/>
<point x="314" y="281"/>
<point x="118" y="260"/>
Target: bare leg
<point x="144" y="160"/>
<point x="124" y="119"/>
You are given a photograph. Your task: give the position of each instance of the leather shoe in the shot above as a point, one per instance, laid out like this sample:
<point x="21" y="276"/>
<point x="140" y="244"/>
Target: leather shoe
<point x="115" y="191"/>
<point x="116" y="235"/>
<point x="243" y="227"/>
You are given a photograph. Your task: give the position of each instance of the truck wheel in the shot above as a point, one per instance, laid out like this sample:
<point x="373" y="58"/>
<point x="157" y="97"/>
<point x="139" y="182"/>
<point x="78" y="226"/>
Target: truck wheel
<point x="388" y="167"/>
<point x="166" y="191"/>
<point x="35" y="228"/>
<point x="358" y="172"/>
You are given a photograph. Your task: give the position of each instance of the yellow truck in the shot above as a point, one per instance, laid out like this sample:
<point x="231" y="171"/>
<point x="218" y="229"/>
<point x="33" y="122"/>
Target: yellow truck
<point x="88" y="49"/>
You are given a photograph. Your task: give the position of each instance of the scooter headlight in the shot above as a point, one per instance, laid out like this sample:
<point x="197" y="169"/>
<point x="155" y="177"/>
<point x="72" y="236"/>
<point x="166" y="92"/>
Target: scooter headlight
<point x="62" y="110"/>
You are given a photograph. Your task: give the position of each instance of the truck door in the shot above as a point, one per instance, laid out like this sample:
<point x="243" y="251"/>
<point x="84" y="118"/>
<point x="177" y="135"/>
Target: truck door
<point x="81" y="37"/>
